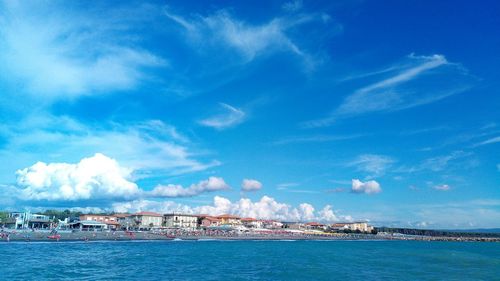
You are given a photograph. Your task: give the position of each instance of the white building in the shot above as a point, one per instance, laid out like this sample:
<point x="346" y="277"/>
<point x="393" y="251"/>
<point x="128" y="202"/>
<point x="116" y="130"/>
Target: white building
<point x="28" y="220"/>
<point x="353" y="226"/>
<point x="180" y="221"/>
<point x="146" y="220"/>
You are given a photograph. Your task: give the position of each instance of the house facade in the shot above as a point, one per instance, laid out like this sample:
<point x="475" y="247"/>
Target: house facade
<point x="110" y="220"/>
<point x="353" y="226"/>
<point x="147" y="220"/>
<point x="180" y="221"/>
<point x="20" y="220"/>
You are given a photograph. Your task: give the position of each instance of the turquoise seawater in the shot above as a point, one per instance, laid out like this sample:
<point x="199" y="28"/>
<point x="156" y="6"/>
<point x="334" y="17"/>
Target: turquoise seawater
<point x="250" y="260"/>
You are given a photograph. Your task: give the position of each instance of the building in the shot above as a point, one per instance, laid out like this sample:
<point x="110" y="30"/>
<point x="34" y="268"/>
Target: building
<point x="210" y="222"/>
<point x="147" y="220"/>
<point x="110" y="220"/>
<point x="180" y="221"/>
<point x="20" y="220"/>
<point x="272" y="224"/>
<point x="315" y="226"/>
<point x="229" y="220"/>
<point x="88" y="225"/>
<point x="125" y="221"/>
<point x="252" y="223"/>
<point x="352" y="226"/>
<point x="294" y="225"/>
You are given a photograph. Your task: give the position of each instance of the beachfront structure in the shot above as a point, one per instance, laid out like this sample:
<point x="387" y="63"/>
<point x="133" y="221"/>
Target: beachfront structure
<point x="125" y="221"/>
<point x="353" y="226"/>
<point x="180" y="221"/>
<point x="315" y="226"/>
<point x="88" y="225"/>
<point x="294" y="225"/>
<point x="252" y="223"/>
<point x="147" y="220"/>
<point x="229" y="220"/>
<point x="110" y="220"/>
<point x="272" y="224"/>
<point x="210" y="222"/>
<point x="20" y="220"/>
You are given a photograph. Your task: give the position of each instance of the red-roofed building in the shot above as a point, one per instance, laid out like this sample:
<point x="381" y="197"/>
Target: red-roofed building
<point x="210" y="221"/>
<point x="315" y="225"/>
<point x="227" y="219"/>
<point x="252" y="223"/>
<point x="111" y="221"/>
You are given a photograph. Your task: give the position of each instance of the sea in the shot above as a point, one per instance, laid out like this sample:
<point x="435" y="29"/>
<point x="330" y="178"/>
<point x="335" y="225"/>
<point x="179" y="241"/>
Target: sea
<point x="250" y="260"/>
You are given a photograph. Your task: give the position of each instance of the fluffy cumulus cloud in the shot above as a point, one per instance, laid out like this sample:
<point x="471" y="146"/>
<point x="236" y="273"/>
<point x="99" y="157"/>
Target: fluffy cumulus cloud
<point x="230" y="117"/>
<point x="93" y="177"/>
<point x="149" y="147"/>
<point x="368" y="187"/>
<point x="265" y="208"/>
<point x="209" y="185"/>
<point x="250" y="185"/>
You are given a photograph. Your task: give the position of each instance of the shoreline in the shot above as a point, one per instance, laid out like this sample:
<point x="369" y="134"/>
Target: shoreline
<point x="81" y="236"/>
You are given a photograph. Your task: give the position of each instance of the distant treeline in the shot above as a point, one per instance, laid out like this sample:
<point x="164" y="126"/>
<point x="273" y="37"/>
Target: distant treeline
<point x="428" y="232"/>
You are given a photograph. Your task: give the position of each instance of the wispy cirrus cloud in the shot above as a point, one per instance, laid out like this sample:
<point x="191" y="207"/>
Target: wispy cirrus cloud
<point x="231" y="116"/>
<point x="148" y="147"/>
<point x="489" y="141"/>
<point x="314" y="138"/>
<point x="249" y="41"/>
<point x="419" y="81"/>
<point x="57" y="52"/>
<point x="375" y="165"/>
<point x="442" y="187"/>
<point x="439" y="163"/>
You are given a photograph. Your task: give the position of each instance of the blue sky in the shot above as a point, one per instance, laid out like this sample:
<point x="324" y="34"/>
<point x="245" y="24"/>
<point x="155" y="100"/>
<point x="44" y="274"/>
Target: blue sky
<point x="354" y="110"/>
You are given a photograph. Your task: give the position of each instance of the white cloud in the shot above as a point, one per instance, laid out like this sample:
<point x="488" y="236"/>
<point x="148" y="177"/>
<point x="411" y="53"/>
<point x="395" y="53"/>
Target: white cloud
<point x="422" y="80"/>
<point x="327" y="214"/>
<point x="150" y="147"/>
<point x="221" y="29"/>
<point x="209" y="185"/>
<point x="442" y="187"/>
<point x="59" y="53"/>
<point x="92" y="178"/>
<point x="250" y="185"/>
<point x="489" y="141"/>
<point x="265" y="208"/>
<point x="440" y="163"/>
<point x="369" y="187"/>
<point x="372" y="163"/>
<point x="231" y="117"/>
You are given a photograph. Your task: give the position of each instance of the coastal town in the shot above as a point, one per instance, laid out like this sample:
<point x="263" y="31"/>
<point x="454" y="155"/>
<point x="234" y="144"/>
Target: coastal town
<point x="172" y="225"/>
<point x="27" y="226"/>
